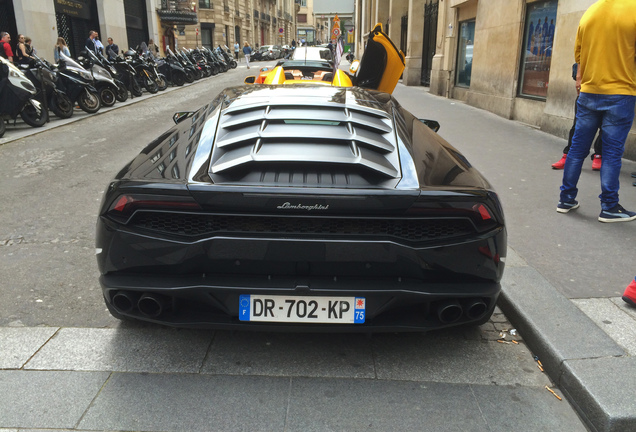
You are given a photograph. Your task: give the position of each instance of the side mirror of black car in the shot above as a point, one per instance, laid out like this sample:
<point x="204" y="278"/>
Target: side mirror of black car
<point x="180" y="116"/>
<point x="434" y="125"/>
<point x="250" y="80"/>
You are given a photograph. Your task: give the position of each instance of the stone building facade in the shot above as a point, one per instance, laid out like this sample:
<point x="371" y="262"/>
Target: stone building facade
<point x="511" y="57"/>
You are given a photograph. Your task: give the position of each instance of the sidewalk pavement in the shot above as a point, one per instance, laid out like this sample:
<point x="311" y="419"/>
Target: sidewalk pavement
<point x="561" y="289"/>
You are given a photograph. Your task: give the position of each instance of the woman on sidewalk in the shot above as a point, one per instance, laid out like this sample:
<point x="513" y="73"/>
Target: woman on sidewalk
<point x="247" y="50"/>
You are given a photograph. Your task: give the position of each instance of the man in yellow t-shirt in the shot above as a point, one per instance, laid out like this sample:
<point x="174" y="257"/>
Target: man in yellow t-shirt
<point x="605" y="50"/>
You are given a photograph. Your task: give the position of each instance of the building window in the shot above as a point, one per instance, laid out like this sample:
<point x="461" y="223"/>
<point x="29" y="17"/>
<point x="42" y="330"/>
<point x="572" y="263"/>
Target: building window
<point x="302" y="18"/>
<point x="204" y="4"/>
<point x="537" y="48"/>
<point x="465" y="53"/>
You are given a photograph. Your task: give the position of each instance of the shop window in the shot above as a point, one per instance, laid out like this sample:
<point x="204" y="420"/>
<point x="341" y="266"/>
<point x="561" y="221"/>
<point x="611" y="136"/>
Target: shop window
<point x="536" y="55"/>
<point x="465" y="53"/>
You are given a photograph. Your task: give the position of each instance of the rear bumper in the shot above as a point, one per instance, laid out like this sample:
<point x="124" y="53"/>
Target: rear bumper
<point x="392" y="304"/>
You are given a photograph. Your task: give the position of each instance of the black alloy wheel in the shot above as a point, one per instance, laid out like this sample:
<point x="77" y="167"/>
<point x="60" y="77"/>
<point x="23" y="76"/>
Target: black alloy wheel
<point x="107" y="96"/>
<point x="89" y="101"/>
<point x="162" y="82"/>
<point x="61" y="105"/>
<point x="150" y="85"/>
<point x="178" y="78"/>
<point x="122" y="92"/>
<point x="135" y="88"/>
<point x="34" y="117"/>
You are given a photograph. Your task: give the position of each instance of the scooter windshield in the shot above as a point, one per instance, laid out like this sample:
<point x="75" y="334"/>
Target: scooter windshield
<point x="69" y="61"/>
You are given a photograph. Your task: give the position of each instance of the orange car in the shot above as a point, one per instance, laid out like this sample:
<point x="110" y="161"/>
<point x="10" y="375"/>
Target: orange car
<point x="380" y="68"/>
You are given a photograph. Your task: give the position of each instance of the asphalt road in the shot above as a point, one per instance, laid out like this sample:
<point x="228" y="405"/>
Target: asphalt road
<point x="51" y="187"/>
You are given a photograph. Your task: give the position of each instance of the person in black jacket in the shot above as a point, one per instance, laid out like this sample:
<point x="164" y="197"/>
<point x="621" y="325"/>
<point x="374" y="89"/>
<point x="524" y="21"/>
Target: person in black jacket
<point x="90" y="42"/>
<point x="111" y="49"/>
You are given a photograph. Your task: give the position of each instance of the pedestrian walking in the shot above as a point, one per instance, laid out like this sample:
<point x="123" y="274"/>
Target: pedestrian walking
<point x="629" y="296"/>
<point x="237" y="47"/>
<point x="605" y="52"/>
<point x="598" y="142"/>
<point x="247" y="51"/>
<point x="5" y="47"/>
<point x="60" y="46"/>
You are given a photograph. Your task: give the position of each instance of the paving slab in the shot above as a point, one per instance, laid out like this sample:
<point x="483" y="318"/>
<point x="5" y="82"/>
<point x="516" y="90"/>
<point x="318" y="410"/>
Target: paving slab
<point x="525" y="409"/>
<point x="285" y="354"/>
<point x="47" y="400"/>
<point x="445" y="357"/>
<point x="356" y="405"/>
<point x="185" y="402"/>
<point x="554" y="328"/>
<point x="612" y="319"/>
<point x="603" y="390"/>
<point x="18" y="345"/>
<point x="152" y="349"/>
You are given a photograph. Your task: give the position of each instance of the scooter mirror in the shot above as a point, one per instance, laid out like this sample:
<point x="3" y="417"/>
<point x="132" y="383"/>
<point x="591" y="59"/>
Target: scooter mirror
<point x="180" y="116"/>
<point x="434" y="125"/>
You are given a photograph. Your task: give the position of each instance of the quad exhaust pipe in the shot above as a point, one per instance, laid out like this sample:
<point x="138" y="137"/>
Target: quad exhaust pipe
<point x="150" y="305"/>
<point x="451" y="311"/>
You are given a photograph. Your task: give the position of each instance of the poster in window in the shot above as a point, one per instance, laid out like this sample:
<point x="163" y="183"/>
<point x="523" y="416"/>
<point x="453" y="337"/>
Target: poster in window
<point x="537" y="48"/>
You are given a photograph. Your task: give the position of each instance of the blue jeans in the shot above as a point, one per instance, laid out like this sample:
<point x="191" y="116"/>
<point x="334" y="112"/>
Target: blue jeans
<point x="614" y="114"/>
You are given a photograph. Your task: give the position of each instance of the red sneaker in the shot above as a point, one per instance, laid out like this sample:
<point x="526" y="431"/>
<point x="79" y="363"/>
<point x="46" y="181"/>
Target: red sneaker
<point x="596" y="163"/>
<point x="630" y="294"/>
<point x="561" y="163"/>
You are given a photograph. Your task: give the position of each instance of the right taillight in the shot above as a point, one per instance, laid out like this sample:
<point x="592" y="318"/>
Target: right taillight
<point x="480" y="214"/>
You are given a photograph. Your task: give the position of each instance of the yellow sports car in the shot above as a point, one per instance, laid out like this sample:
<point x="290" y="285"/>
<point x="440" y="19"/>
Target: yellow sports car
<point x="380" y="68"/>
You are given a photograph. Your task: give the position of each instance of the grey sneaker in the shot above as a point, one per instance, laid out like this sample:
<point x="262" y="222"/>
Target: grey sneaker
<point x="617" y="214"/>
<point x="564" y="207"/>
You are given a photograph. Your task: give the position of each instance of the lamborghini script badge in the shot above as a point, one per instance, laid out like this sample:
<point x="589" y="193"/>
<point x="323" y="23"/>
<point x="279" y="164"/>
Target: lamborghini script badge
<point x="289" y="206"/>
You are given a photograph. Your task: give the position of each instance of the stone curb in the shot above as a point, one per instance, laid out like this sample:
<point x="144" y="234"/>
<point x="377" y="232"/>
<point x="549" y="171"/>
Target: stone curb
<point x="596" y="374"/>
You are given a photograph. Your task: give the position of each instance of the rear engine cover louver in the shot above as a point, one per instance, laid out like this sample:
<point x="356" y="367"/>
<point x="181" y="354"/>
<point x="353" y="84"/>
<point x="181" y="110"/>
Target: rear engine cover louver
<point x="305" y="144"/>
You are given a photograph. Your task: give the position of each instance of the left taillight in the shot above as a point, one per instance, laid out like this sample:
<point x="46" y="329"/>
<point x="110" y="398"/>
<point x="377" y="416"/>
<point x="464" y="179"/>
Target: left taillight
<point x="124" y="206"/>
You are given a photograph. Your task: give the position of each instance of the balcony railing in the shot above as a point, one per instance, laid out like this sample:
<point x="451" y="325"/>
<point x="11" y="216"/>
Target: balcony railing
<point x="255" y="14"/>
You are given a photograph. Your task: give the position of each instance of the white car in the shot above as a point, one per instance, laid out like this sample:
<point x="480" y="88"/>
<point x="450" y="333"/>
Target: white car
<point x="312" y="53"/>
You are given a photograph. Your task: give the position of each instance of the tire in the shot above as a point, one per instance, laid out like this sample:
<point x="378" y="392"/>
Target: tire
<point x="107" y="96"/>
<point x="189" y="76"/>
<point x="233" y="64"/>
<point x="178" y="79"/>
<point x="122" y="92"/>
<point x="162" y="82"/>
<point x="135" y="88"/>
<point x="89" y="101"/>
<point x="215" y="69"/>
<point x="32" y="117"/>
<point x="150" y="85"/>
<point x="61" y="105"/>
<point x="3" y="127"/>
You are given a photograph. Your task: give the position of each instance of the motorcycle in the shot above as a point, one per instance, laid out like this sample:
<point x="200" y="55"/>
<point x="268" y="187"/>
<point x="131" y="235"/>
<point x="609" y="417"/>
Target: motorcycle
<point x="103" y="81"/>
<point x="17" y="95"/>
<point x="192" y="72"/>
<point x="77" y="83"/>
<point x="228" y="60"/>
<point x="171" y="68"/>
<point x="144" y="74"/>
<point x="44" y="78"/>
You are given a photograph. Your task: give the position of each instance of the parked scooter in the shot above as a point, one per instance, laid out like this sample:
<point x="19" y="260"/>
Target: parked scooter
<point x="171" y="67"/>
<point x="100" y="61"/>
<point x="228" y="60"/>
<point x="17" y="96"/>
<point x="128" y="75"/>
<point x="144" y="73"/>
<point x="77" y="83"/>
<point x="44" y="78"/>
<point x="104" y="82"/>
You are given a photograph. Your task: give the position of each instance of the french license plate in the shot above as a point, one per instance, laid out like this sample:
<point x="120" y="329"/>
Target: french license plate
<point x="302" y="309"/>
